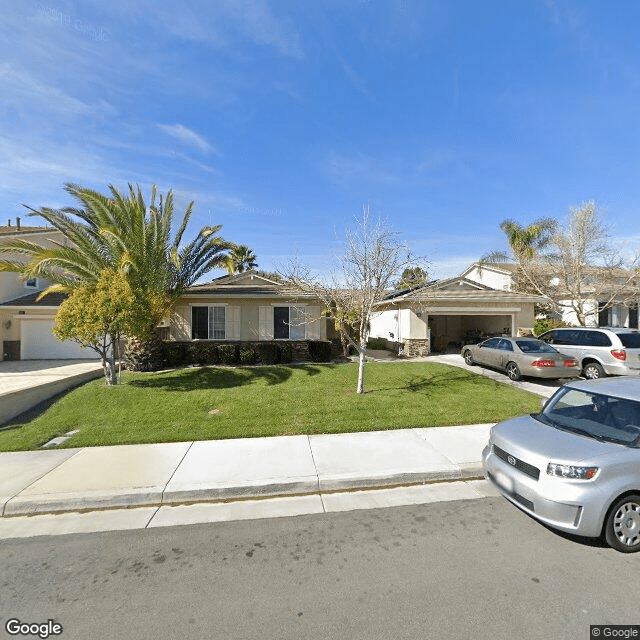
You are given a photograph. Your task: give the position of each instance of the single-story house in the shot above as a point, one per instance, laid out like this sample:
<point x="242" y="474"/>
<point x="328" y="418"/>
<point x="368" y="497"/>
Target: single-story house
<point x="246" y="307"/>
<point x="451" y="312"/>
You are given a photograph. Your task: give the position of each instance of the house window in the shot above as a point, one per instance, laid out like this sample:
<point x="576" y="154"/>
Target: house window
<point x="288" y="323"/>
<point x="208" y="323"/>
<point x="603" y="315"/>
<point x="31" y="283"/>
<point x="217" y="323"/>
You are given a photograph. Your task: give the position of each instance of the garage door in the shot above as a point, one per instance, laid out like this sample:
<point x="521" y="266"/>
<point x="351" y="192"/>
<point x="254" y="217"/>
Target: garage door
<point x="38" y="343"/>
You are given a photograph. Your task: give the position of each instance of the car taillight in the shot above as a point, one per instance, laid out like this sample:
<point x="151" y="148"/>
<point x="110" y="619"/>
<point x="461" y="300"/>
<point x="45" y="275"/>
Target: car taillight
<point x="570" y="363"/>
<point x="620" y="354"/>
<point x="543" y="363"/>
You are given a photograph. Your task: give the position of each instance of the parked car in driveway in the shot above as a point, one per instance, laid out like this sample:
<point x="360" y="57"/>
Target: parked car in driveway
<point x="576" y="465"/>
<point x="519" y="357"/>
<point x="599" y="351"/>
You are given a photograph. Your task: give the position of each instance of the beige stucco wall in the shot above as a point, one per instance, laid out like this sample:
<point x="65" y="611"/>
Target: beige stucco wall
<point x="249" y="316"/>
<point x="460" y="316"/>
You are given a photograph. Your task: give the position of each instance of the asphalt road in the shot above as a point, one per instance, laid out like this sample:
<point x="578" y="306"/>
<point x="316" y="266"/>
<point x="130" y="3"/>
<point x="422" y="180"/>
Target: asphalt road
<point x="475" y="569"/>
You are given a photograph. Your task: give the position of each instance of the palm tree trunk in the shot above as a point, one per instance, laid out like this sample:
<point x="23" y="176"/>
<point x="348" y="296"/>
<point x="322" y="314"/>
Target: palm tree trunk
<point x="143" y="355"/>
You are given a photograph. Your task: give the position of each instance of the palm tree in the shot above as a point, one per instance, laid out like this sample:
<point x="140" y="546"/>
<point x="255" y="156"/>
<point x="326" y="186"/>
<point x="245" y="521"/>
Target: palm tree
<point x="240" y="259"/>
<point x="526" y="242"/>
<point x="120" y="231"/>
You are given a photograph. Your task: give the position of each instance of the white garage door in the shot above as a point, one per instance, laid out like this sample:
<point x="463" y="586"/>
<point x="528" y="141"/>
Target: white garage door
<point x="38" y="343"/>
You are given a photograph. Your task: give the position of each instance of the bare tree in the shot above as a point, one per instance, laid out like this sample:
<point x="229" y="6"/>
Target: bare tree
<point x="577" y="264"/>
<point x="373" y="257"/>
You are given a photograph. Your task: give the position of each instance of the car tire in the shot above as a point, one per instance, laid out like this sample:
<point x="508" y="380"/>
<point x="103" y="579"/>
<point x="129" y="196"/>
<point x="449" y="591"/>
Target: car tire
<point x="513" y="371"/>
<point x="468" y="358"/>
<point x="622" y="527"/>
<point x="593" y="371"/>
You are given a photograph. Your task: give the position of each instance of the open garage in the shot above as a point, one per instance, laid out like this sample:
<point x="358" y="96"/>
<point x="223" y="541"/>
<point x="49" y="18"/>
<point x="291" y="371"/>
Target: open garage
<point x="445" y="315"/>
<point x="455" y="330"/>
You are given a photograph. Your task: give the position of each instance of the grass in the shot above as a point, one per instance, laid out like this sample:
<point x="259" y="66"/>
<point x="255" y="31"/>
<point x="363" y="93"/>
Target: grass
<point x="213" y="403"/>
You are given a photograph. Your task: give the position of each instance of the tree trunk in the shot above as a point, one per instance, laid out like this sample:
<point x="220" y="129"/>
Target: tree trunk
<point x="345" y="345"/>
<point x="361" y="361"/>
<point x="108" y="364"/>
<point x="143" y="355"/>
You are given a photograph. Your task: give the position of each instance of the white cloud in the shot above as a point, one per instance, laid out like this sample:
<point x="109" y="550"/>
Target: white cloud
<point x="349" y="168"/>
<point x="220" y="23"/>
<point x="23" y="90"/>
<point x="188" y="136"/>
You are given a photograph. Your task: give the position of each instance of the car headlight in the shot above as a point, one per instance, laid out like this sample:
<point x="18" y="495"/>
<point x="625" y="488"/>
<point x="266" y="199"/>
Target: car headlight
<point x="569" y="471"/>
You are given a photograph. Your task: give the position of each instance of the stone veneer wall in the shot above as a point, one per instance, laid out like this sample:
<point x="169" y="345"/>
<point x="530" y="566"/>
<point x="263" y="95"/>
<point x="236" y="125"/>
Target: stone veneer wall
<point x="415" y="348"/>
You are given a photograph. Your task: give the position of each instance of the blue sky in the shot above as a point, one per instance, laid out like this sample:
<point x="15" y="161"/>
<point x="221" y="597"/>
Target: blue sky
<point x="280" y="119"/>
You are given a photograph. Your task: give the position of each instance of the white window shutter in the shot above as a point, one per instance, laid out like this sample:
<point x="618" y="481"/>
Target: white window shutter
<point x="265" y="322"/>
<point x="232" y="323"/>
<point x="313" y="323"/>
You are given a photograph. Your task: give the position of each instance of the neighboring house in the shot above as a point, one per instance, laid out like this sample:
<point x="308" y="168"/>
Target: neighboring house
<point x="25" y="323"/>
<point x="450" y="312"/>
<point x="246" y="307"/>
<point x="601" y="313"/>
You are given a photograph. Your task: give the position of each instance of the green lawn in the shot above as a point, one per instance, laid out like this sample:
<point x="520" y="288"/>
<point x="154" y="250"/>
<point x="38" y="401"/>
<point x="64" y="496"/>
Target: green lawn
<point x="212" y="403"/>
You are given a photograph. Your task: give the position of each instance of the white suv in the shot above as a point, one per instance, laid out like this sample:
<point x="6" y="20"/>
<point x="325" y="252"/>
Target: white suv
<point x="599" y="351"/>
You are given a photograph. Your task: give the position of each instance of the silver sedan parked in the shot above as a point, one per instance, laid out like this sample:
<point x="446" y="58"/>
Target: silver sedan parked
<point x="576" y="465"/>
<point x="519" y="357"/>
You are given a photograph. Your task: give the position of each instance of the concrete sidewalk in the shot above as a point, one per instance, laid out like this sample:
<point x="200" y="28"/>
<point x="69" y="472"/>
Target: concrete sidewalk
<point x="155" y="475"/>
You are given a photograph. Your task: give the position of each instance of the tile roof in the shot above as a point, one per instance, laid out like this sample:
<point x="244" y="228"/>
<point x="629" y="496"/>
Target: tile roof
<point x="30" y="300"/>
<point x="15" y="231"/>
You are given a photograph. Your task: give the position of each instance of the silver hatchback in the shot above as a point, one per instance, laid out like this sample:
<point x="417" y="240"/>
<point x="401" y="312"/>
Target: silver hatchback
<point x="576" y="465"/>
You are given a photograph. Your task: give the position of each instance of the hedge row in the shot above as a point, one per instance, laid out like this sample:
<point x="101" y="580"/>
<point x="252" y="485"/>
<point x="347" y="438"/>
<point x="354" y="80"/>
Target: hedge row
<point x="177" y="354"/>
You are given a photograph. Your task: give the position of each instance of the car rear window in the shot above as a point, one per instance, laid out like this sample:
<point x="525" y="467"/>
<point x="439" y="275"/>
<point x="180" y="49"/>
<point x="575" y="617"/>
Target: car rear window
<point x="630" y="340"/>
<point x="534" y="346"/>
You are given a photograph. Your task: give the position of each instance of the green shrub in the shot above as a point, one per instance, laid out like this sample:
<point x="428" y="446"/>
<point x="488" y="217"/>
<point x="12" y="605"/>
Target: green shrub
<point x="248" y="354"/>
<point x="544" y="324"/>
<point x="228" y="353"/>
<point x="286" y="352"/>
<point x="268" y="353"/>
<point x="319" y="351"/>
<point x="205" y="353"/>
<point x="377" y="344"/>
<point x="175" y="354"/>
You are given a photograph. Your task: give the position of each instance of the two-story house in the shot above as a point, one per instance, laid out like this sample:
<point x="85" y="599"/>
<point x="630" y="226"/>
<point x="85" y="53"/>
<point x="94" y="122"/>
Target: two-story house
<point x="25" y="322"/>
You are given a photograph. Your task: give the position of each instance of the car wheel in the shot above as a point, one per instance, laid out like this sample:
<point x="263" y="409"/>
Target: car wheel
<point x="622" y="529"/>
<point x="468" y="358"/>
<point x="513" y="371"/>
<point x="592" y="371"/>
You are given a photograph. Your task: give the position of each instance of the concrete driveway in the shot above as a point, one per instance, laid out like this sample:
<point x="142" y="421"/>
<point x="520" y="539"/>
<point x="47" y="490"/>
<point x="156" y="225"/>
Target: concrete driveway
<point x="26" y="383"/>
<point x="544" y="388"/>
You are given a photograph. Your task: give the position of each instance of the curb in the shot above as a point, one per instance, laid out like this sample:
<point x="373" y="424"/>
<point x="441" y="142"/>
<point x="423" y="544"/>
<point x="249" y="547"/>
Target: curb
<point x="157" y="497"/>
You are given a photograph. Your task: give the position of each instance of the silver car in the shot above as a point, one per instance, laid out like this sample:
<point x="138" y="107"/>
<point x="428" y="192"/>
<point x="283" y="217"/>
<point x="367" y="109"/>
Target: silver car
<point x="576" y="465"/>
<point x="519" y="357"/>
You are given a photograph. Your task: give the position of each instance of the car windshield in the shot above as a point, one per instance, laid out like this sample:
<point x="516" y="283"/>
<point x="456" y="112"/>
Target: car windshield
<point x="535" y="346"/>
<point x="594" y="415"/>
